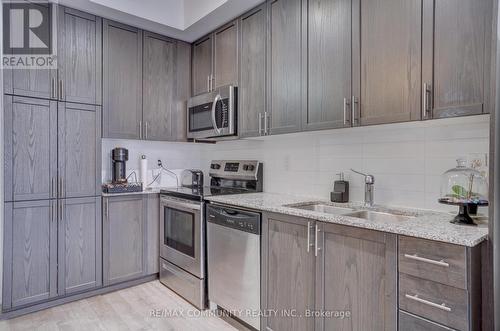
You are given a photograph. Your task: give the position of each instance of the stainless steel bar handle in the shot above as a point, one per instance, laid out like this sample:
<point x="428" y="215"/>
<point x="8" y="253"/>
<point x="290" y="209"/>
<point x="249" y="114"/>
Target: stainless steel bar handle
<point x="140" y="129"/>
<point x="53" y="187"/>
<point x="259" y="119"/>
<point x="208" y="83"/>
<point x="61" y="91"/>
<point x="54" y="89"/>
<point x="266" y="119"/>
<point x="346" y="106"/>
<point x="213" y="82"/>
<point x="146" y="130"/>
<point x="354" y="102"/>
<point x="415" y="257"/>
<point x="415" y="297"/>
<point x="425" y="100"/>
<point x="316" y="246"/>
<point x="308" y="236"/>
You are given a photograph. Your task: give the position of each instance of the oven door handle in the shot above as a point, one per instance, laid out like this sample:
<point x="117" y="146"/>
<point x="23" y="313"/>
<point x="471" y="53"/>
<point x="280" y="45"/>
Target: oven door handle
<point x="214" y="107"/>
<point x="180" y="205"/>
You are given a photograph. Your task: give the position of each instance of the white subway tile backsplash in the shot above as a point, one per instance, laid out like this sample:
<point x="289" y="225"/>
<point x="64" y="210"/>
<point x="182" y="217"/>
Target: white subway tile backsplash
<point x="407" y="159"/>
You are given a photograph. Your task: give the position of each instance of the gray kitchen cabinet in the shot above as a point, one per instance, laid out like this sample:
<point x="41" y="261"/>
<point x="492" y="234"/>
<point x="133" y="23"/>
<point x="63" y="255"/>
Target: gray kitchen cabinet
<point x="36" y="83"/>
<point x="30" y="148"/>
<point x="289" y="272"/>
<point x="153" y="234"/>
<point x="215" y="59"/>
<point x="79" y="57"/>
<point x="357" y="271"/>
<point x="124" y="244"/>
<point x="287" y="87"/>
<point x="387" y="62"/>
<point x="159" y="87"/>
<point x="202" y="65"/>
<point x="252" y="88"/>
<point x="456" y="57"/>
<point x="122" y="81"/>
<point x="225" y="67"/>
<point x="30" y="253"/>
<point x="79" y="245"/>
<point x="329" y="79"/>
<point x="182" y="90"/>
<point x="79" y="150"/>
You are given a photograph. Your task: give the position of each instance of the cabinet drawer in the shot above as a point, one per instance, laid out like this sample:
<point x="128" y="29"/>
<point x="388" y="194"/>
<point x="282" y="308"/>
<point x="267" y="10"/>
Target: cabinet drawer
<point x="439" y="262"/>
<point x="409" y="322"/>
<point x="437" y="302"/>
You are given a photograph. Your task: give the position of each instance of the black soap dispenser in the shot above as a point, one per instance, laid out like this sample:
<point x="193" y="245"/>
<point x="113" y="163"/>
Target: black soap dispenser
<point x="340" y="190"/>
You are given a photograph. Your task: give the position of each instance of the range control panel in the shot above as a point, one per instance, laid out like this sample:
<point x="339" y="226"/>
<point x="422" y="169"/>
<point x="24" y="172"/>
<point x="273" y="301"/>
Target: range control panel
<point x="247" y="169"/>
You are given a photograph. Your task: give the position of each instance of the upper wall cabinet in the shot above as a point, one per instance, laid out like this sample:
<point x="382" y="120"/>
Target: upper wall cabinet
<point x="252" y="87"/>
<point x="80" y="57"/>
<point x="456" y="57"/>
<point x="78" y="75"/>
<point x="158" y="86"/>
<point x="329" y="31"/>
<point x="37" y="83"/>
<point x="387" y="62"/>
<point x="215" y="59"/>
<point x="122" y="81"/>
<point x="287" y="86"/>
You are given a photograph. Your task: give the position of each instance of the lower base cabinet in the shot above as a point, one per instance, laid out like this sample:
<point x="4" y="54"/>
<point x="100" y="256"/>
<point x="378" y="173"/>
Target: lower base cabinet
<point x="52" y="248"/>
<point x="130" y="237"/>
<point x="320" y="276"/>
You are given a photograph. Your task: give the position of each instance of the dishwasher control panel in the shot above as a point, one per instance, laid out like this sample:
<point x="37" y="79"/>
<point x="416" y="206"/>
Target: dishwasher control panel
<point x="234" y="218"/>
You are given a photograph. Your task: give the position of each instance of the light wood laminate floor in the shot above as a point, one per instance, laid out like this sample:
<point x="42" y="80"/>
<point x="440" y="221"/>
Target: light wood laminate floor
<point x="128" y="309"/>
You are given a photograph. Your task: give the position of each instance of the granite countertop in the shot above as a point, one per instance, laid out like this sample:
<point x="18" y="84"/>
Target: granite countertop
<point x="153" y="190"/>
<point x="422" y="224"/>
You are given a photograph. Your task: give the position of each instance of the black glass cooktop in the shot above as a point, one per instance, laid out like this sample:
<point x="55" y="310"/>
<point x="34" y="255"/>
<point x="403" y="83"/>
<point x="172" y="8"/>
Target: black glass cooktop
<point x="199" y="193"/>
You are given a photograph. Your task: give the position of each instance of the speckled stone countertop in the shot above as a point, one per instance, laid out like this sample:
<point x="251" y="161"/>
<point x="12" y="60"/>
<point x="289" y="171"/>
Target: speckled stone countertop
<point x="154" y="190"/>
<point x="422" y="223"/>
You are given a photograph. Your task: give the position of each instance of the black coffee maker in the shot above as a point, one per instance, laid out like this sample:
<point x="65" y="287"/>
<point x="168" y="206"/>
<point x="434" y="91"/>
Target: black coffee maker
<point x="119" y="157"/>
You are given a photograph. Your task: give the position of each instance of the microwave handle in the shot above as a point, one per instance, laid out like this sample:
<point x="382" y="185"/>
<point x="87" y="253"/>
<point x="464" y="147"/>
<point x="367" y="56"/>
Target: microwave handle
<point x="214" y="106"/>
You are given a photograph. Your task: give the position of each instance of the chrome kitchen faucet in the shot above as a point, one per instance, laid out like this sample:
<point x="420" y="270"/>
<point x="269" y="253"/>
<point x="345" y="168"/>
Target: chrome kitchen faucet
<point x="369" y="182"/>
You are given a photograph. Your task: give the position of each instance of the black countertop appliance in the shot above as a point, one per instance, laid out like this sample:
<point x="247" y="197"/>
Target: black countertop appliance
<point x="119" y="157"/>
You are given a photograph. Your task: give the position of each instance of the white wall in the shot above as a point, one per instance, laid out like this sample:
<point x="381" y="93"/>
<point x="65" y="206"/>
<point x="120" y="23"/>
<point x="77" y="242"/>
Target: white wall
<point x="1" y="158"/>
<point x="407" y="159"/>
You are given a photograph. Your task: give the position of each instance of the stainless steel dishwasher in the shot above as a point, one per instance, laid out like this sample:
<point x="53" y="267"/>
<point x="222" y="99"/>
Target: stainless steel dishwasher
<point x="234" y="261"/>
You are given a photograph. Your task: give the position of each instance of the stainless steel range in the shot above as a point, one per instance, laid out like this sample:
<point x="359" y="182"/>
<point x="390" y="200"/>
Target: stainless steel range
<point x="183" y="226"/>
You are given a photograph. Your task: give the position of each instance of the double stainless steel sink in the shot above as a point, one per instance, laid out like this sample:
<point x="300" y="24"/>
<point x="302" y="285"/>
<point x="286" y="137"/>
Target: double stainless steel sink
<point x="369" y="215"/>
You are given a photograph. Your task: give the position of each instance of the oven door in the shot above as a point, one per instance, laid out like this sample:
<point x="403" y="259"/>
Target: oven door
<point x="182" y="234"/>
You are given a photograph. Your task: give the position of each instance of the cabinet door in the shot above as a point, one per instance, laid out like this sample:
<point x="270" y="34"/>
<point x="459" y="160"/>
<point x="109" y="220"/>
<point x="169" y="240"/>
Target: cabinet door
<point x="159" y="86"/>
<point x="124" y="243"/>
<point x="357" y="271"/>
<point x="329" y="64"/>
<point x="80" y="57"/>
<point x="153" y="234"/>
<point x="226" y="55"/>
<point x="36" y="83"/>
<point x="79" y="150"/>
<point x="456" y="56"/>
<point x="79" y="247"/>
<point x="287" y="87"/>
<point x="252" y="87"/>
<point x="289" y="268"/>
<point x="30" y="148"/>
<point x="202" y="65"/>
<point x="182" y="90"/>
<point x="389" y="50"/>
<point x="30" y="253"/>
<point x="122" y="76"/>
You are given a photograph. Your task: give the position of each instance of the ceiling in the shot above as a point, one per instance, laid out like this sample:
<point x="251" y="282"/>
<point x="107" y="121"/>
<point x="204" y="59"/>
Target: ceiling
<point x="186" y="20"/>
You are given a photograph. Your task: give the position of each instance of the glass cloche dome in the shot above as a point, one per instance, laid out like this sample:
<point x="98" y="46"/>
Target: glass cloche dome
<point x="464" y="187"/>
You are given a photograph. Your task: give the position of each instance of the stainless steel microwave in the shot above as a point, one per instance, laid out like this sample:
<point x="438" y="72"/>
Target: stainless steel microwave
<point x="213" y="114"/>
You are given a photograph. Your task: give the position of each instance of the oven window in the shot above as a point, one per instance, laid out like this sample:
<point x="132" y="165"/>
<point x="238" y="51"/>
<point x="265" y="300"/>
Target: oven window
<point x="179" y="230"/>
<point x="200" y="118"/>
